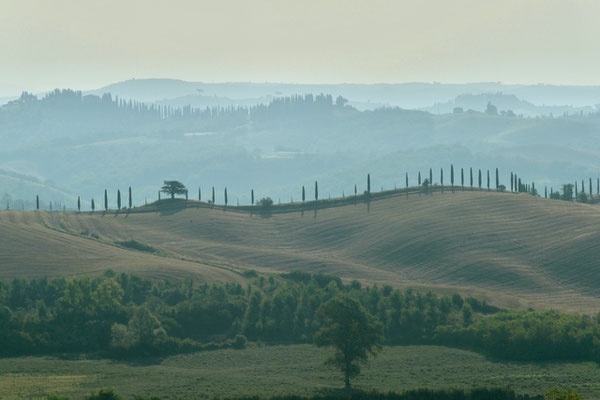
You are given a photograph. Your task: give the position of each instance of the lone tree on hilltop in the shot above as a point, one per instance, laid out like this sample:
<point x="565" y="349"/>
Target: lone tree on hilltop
<point x="351" y="331"/>
<point x="173" y="187"/>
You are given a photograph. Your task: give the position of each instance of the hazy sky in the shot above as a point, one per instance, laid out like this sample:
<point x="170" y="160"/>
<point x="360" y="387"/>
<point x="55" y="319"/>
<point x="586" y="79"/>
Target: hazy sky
<point x="87" y="44"/>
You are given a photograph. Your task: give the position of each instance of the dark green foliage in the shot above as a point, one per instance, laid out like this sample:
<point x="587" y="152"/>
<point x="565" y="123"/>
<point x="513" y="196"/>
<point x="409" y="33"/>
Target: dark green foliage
<point x="430" y="176"/>
<point x="124" y="315"/>
<point x="451" y="174"/>
<point x="93" y="205"/>
<point x="105" y="200"/>
<point x="316" y="191"/>
<point x="103" y="394"/>
<point x="118" y="199"/>
<point x="173" y="188"/>
<point x="213" y="195"/>
<point x="239" y="342"/>
<point x="419" y="178"/>
<point x="471" y="175"/>
<point x="479" y="180"/>
<point x="481" y="393"/>
<point x="351" y="331"/>
<point x="252" y="195"/>
<point x="497" y="179"/>
<point x="135" y="245"/>
<point x="368" y="183"/>
<point x="225" y="196"/>
<point x="130" y="199"/>
<point x="462" y="177"/>
<point x="37" y="202"/>
<point x="78" y="203"/>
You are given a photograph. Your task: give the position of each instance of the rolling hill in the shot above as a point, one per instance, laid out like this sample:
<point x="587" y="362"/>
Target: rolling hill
<point x="514" y="250"/>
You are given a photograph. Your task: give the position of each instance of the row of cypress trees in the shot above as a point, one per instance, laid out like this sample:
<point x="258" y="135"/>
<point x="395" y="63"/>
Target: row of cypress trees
<point x="516" y="185"/>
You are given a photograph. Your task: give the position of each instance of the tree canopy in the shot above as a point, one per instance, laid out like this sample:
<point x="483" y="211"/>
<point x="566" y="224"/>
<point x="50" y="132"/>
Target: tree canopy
<point x="173" y="188"/>
<point x="351" y="331"/>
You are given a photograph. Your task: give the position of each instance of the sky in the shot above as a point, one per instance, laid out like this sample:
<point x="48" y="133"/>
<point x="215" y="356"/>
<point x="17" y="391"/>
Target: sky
<point x="85" y="44"/>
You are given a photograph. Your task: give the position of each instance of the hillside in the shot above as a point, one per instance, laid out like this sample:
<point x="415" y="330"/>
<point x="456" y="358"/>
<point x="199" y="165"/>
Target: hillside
<point x="515" y="250"/>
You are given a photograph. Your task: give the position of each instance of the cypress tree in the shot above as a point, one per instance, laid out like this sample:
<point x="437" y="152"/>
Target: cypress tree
<point x="93" y="205"/>
<point x="591" y="187"/>
<point x="471" y="175"/>
<point x="316" y="191"/>
<point x="355" y="190"/>
<point x="519" y="186"/>
<point x="430" y="176"/>
<point x="462" y="177"/>
<point x="419" y="178"/>
<point x="575" y="188"/>
<point x="186" y="194"/>
<point x="369" y="183"/>
<point x="512" y="189"/>
<point x="252" y="195"/>
<point x="545" y="192"/>
<point x="406" y="178"/>
<point x="105" y="200"/>
<point x="37" y="202"/>
<point x="452" y="175"/>
<point x="199" y="193"/>
<point x="488" y="179"/>
<point x="130" y="200"/>
<point x="582" y="186"/>
<point x="479" y="180"/>
<point x="303" y="194"/>
<point x="442" y="176"/>
<point x="213" y="195"/>
<point x="78" y="203"/>
<point x="225" y="196"/>
<point x="118" y="199"/>
<point x="497" y="179"/>
<point x="598" y="186"/>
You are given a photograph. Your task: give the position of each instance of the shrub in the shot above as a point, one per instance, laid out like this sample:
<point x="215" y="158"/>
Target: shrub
<point x="239" y="342"/>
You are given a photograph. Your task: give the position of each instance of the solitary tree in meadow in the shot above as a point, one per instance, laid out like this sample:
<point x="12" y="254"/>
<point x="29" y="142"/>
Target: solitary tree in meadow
<point x="173" y="188"/>
<point x="355" y="190"/>
<point x="105" y="200"/>
<point x="118" y="199"/>
<point x="316" y="191"/>
<point x="351" y="331"/>
<point x="78" y="203"/>
<point x="369" y="183"/>
<point x="199" y="193"/>
<point x="462" y="177"/>
<point x="130" y="199"/>
<point x="225" y="196"/>
<point x="213" y="195"/>
<point x="37" y="202"/>
<point x="488" y="179"/>
<point x="252" y="195"/>
<point x="93" y="205"/>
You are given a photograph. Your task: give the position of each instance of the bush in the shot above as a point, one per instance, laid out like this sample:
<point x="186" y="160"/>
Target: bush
<point x="135" y="245"/>
<point x="239" y="342"/>
<point x="266" y="203"/>
<point x="104" y="394"/>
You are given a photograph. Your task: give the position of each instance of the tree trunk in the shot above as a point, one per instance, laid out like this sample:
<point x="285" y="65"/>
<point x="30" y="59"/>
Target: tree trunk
<point x="347" y="376"/>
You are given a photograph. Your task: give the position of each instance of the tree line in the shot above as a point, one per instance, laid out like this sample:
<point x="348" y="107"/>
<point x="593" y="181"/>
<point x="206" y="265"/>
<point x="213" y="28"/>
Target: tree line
<point x="124" y="315"/>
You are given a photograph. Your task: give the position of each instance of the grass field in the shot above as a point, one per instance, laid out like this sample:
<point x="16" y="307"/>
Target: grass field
<point x="515" y="250"/>
<point x="295" y="369"/>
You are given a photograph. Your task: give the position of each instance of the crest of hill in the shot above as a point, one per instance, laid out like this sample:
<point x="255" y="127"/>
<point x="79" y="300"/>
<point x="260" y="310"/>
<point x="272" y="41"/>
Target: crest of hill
<point x="515" y="250"/>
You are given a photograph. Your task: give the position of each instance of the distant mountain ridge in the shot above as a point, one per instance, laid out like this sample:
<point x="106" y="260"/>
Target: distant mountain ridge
<point x="406" y="95"/>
